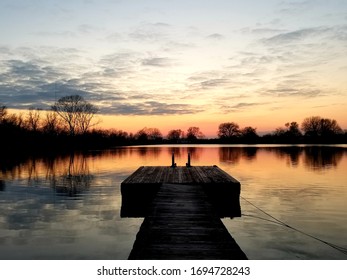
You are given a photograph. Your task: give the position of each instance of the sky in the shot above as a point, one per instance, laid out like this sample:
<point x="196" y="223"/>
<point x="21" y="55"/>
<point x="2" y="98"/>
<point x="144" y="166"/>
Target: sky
<point x="178" y="63"/>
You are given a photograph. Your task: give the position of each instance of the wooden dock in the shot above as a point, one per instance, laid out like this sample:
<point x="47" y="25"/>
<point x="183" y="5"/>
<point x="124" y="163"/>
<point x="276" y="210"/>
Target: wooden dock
<point x="182" y="207"/>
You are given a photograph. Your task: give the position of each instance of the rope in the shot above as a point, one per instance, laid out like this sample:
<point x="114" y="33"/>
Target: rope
<point x="279" y="222"/>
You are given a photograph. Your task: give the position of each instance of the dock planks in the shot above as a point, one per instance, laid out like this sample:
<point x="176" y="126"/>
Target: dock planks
<point x="179" y="175"/>
<point x="182" y="222"/>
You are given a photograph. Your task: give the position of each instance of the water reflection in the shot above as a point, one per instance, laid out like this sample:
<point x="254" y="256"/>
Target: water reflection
<point x="315" y="158"/>
<point x="69" y="206"/>
<point x="318" y="158"/>
<point x="234" y="154"/>
<point x="71" y="174"/>
<point x="182" y="153"/>
<point x="75" y="180"/>
<point x="2" y="186"/>
<point x="290" y="154"/>
<point x="148" y="151"/>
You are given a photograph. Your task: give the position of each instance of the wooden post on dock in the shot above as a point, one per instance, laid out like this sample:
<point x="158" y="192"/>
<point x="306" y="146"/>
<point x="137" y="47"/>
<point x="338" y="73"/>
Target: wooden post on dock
<point x="173" y="164"/>
<point x="188" y="163"/>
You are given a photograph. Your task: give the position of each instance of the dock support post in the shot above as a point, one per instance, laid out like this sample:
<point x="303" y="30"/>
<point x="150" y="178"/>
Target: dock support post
<point x="188" y="163"/>
<point x="173" y="164"/>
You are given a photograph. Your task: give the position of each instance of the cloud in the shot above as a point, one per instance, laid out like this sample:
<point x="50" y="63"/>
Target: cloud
<point x="261" y="31"/>
<point x="152" y="108"/>
<point x="209" y="80"/>
<point x="87" y="28"/>
<point x="161" y="24"/>
<point x="295" y="85"/>
<point x="328" y="34"/>
<point x="297" y="35"/>
<point x="38" y="83"/>
<point x="239" y="106"/>
<point x="114" y="37"/>
<point x="215" y="36"/>
<point x="202" y="82"/>
<point x="212" y="83"/>
<point x="156" y="62"/>
<point x="297" y="7"/>
<point x="294" y="91"/>
<point x="63" y="34"/>
<point x="151" y="32"/>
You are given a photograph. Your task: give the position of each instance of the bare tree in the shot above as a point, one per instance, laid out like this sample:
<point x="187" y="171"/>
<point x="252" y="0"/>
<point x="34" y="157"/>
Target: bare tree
<point x="51" y="123"/>
<point x="228" y="130"/>
<point x="146" y="134"/>
<point x="175" y="134"/>
<point x="317" y="126"/>
<point x="293" y="129"/>
<point x="194" y="133"/>
<point x="32" y="120"/>
<point x="330" y="127"/>
<point x="3" y="113"/>
<point x="249" y="133"/>
<point x="76" y="113"/>
<point x="311" y="126"/>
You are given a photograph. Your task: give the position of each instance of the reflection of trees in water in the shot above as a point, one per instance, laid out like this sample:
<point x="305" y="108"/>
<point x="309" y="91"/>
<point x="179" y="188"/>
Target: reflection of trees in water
<point x="291" y="154"/>
<point x="182" y="152"/>
<point x="148" y="152"/>
<point x="177" y="151"/>
<point x="318" y="158"/>
<point x="313" y="157"/>
<point x="66" y="174"/>
<point x="235" y="154"/>
<point x="76" y="178"/>
<point x="2" y="186"/>
<point x="195" y="153"/>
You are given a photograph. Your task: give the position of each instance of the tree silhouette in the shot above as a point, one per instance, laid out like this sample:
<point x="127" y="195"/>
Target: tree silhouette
<point x="51" y="123"/>
<point x="228" y="130"/>
<point x="148" y="134"/>
<point x="318" y="127"/>
<point x="293" y="129"/>
<point x="3" y="113"/>
<point x="175" y="134"/>
<point x="32" y="120"/>
<point x="194" y="133"/>
<point x="249" y="134"/>
<point x="76" y="113"/>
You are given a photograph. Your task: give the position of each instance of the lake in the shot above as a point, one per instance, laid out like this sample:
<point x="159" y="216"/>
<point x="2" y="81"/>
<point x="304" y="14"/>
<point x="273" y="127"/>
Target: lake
<point x="293" y="201"/>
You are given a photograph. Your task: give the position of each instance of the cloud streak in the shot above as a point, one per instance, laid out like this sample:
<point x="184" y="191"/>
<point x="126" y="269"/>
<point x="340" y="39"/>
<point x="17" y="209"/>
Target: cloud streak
<point x="242" y="106"/>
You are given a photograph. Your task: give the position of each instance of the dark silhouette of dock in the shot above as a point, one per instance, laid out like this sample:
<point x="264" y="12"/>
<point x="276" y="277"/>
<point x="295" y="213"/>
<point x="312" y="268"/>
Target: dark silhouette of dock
<point x="182" y="207"/>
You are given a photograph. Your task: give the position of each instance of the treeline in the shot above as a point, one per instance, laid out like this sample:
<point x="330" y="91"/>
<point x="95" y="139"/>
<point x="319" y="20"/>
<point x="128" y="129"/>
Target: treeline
<point x="313" y="130"/>
<point x="71" y="124"/>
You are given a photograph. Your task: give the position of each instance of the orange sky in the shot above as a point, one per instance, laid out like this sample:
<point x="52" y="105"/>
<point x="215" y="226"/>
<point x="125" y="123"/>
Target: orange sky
<point x="175" y="64"/>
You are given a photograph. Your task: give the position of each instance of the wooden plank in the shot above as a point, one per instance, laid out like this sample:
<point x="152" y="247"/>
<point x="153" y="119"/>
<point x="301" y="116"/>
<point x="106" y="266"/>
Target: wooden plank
<point x="180" y="175"/>
<point x="223" y="190"/>
<point x="182" y="224"/>
<point x="134" y="177"/>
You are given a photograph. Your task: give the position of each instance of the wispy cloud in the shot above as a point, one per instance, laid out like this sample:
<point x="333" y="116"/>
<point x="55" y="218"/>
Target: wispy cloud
<point x="157" y="62"/>
<point x="215" y="36"/>
<point x="295" y="7"/>
<point x="62" y="34"/>
<point x="151" y="32"/>
<point x="297" y="35"/>
<point x="239" y="106"/>
<point x="151" y="108"/>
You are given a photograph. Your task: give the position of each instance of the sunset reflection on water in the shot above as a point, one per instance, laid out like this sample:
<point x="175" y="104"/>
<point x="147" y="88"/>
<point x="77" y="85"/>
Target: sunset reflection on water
<point x="68" y="206"/>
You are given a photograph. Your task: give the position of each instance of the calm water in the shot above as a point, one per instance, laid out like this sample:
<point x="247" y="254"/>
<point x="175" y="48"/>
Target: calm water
<point x="69" y="207"/>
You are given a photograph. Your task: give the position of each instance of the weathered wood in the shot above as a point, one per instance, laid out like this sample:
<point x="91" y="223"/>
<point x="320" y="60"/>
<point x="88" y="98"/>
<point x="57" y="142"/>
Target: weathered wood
<point x="180" y="175"/>
<point x="139" y="189"/>
<point x="182" y="224"/>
